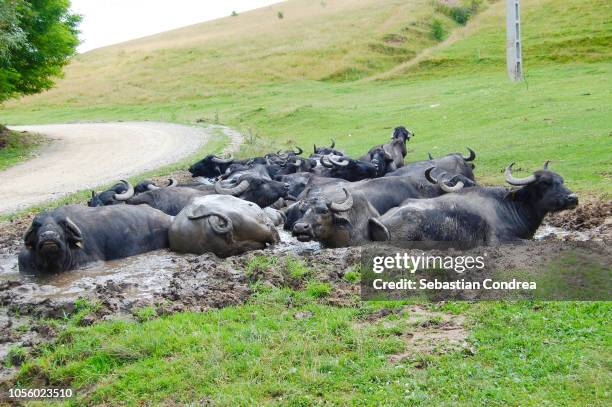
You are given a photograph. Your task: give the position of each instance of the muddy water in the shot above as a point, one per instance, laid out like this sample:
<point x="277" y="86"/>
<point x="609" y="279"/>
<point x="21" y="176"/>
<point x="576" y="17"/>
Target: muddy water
<point x="143" y="275"/>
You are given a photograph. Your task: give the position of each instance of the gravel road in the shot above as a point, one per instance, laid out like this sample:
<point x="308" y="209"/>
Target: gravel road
<point x="86" y="155"/>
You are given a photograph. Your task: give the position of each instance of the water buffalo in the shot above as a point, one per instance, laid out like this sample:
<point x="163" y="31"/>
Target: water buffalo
<point x="255" y="189"/>
<point x="113" y="196"/>
<point x="390" y="156"/>
<point x="148" y="185"/>
<point x="210" y="166"/>
<point x="347" y="168"/>
<point x="71" y="236"/>
<point x="400" y="132"/>
<point x="337" y="224"/>
<point x="480" y="215"/>
<point x="452" y="164"/>
<point x="222" y="224"/>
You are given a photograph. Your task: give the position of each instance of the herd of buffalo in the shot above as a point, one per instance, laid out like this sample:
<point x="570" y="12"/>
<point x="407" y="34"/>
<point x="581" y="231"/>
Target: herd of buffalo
<point x="233" y="206"/>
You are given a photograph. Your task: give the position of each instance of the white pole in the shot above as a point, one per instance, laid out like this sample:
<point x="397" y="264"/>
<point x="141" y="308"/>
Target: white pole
<point x="514" y="56"/>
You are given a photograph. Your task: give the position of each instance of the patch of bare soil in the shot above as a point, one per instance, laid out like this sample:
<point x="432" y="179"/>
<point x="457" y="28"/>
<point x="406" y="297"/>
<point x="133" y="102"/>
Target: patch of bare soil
<point x="432" y="333"/>
<point x="588" y="215"/>
<point x="423" y="332"/>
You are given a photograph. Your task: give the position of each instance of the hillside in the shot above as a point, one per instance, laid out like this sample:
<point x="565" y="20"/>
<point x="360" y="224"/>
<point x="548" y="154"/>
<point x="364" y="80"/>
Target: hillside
<point x="309" y="76"/>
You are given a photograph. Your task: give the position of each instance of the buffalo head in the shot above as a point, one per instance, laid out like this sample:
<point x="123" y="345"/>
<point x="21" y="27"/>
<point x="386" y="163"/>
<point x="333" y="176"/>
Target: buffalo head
<point x="322" y="219"/>
<point x="210" y="166"/>
<point x="50" y="242"/>
<point x="544" y="190"/>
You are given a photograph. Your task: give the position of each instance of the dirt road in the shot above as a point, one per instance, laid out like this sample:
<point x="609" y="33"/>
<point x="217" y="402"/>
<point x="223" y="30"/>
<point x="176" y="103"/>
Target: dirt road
<point x="87" y="155"/>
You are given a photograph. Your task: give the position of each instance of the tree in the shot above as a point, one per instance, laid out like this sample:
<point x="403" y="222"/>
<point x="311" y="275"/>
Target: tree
<point x="37" y="38"/>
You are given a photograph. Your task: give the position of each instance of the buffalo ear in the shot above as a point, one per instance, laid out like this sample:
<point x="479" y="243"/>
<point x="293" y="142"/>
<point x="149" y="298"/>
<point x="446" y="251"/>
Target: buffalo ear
<point x="73" y="233"/>
<point x="378" y="232"/>
<point x="341" y="221"/>
<point x="29" y="238"/>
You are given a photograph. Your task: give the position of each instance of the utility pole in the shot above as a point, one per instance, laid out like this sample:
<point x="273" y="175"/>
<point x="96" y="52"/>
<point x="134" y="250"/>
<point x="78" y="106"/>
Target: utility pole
<point x="514" y="58"/>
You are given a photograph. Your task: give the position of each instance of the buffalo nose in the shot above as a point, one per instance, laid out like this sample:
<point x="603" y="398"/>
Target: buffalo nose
<point x="301" y="228"/>
<point x="573" y="198"/>
<point x="49" y="235"/>
<point x="286" y="185"/>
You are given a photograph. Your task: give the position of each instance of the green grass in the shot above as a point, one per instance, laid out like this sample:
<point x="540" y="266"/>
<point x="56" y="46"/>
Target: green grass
<point x="259" y="353"/>
<point x="16" y="146"/>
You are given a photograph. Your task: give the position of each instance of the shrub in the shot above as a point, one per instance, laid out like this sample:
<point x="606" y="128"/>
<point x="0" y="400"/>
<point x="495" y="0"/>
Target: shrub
<point x="437" y="30"/>
<point x="280" y="15"/>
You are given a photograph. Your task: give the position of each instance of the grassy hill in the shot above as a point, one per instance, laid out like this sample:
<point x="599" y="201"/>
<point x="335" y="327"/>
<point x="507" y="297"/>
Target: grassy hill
<point x="355" y="69"/>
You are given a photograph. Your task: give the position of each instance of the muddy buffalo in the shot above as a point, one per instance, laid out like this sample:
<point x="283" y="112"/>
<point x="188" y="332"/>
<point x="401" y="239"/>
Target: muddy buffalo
<point x="71" y="236"/>
<point x="222" y="224"/>
<point x="337" y="224"/>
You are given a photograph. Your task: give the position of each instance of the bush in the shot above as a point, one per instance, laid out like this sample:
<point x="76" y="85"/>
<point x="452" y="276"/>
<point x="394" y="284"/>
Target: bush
<point x="280" y="15"/>
<point x="460" y="14"/>
<point x="437" y="30"/>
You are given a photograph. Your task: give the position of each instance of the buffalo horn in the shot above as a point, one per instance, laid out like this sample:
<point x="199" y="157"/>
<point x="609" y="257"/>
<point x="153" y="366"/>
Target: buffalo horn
<point x="325" y="162"/>
<point x="546" y="164"/>
<point x="458" y="186"/>
<point x="517" y="181"/>
<point x="430" y="156"/>
<point x="333" y="144"/>
<point x="127" y="194"/>
<point x="471" y="157"/>
<point x="429" y="177"/>
<point x="343" y="206"/>
<point x="237" y="190"/>
<point x="172" y="182"/>
<point x="152" y="187"/>
<point x="335" y="161"/>
<point x="298" y="150"/>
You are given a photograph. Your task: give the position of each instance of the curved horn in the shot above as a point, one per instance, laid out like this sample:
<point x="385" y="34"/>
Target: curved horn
<point x="298" y="150"/>
<point x="152" y="187"/>
<point x="325" y="162"/>
<point x="75" y="231"/>
<point x="93" y="194"/>
<point x="429" y="177"/>
<point x="334" y="161"/>
<point x="546" y="164"/>
<point x="315" y="148"/>
<point x="220" y="160"/>
<point x="458" y="186"/>
<point x="127" y="194"/>
<point x="430" y="156"/>
<point x="333" y="144"/>
<point x="172" y="182"/>
<point x="343" y="206"/>
<point x="237" y="190"/>
<point x="471" y="157"/>
<point x="517" y="181"/>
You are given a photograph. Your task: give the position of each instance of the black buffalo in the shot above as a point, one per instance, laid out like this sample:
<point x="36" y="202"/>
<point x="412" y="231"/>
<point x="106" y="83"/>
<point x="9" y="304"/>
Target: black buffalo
<point x="71" y="236"/>
<point x="452" y="164"/>
<point x="480" y="215"/>
<point x="210" y="166"/>
<point x="337" y="224"/>
<point x="117" y="194"/>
